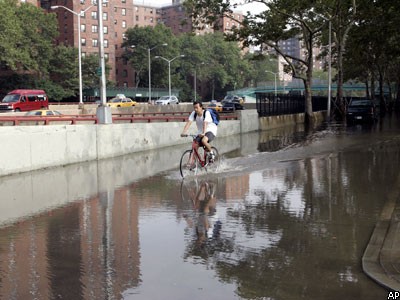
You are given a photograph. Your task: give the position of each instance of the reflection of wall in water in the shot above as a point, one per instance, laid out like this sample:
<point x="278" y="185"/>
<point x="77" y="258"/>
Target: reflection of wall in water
<point x="73" y="252"/>
<point x="279" y="138"/>
<point x="236" y="187"/>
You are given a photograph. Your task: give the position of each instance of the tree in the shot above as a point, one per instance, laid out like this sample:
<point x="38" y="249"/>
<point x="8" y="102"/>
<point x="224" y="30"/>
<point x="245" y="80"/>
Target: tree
<point x="281" y="20"/>
<point x="138" y="41"/>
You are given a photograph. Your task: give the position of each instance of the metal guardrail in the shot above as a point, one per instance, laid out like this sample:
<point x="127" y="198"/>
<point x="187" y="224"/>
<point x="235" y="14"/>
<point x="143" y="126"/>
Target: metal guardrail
<point x="282" y="104"/>
<point x="92" y="119"/>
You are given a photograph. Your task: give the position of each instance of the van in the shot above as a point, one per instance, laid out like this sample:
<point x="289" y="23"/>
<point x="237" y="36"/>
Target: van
<point x="24" y="100"/>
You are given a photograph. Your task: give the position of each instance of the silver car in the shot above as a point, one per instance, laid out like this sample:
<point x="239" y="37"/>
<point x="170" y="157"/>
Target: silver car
<point x="165" y="100"/>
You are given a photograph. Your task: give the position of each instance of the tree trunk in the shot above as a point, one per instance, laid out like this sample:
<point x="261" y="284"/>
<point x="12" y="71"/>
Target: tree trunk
<point x="382" y="101"/>
<point x="372" y="85"/>
<point x="367" y="89"/>
<point x="309" y="116"/>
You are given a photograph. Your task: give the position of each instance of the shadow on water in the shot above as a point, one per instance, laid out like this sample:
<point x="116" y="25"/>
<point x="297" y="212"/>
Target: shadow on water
<point x="128" y="228"/>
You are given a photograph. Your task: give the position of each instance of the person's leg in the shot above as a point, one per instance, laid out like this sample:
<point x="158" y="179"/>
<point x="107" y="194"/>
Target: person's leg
<point x="206" y="140"/>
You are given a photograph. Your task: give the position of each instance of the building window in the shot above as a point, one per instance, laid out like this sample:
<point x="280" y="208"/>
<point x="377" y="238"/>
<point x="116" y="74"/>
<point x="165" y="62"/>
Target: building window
<point x="123" y="11"/>
<point x="94" y="2"/>
<point x="83" y="27"/>
<point x="123" y="24"/>
<point x="137" y="18"/>
<point x="82" y="1"/>
<point x="105" y="43"/>
<point x="83" y="54"/>
<point x="94" y="15"/>
<point x="83" y="14"/>
<point x="151" y="20"/>
<point x="123" y="1"/>
<point x="94" y="28"/>
<point x="83" y="42"/>
<point x="124" y="73"/>
<point x="95" y="43"/>
<point x="105" y="29"/>
<point x="105" y="16"/>
<point x="106" y="56"/>
<point x="125" y="84"/>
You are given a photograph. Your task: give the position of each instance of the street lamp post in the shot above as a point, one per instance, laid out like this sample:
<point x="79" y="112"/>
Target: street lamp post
<point x="169" y="69"/>
<point x="274" y="81"/>
<point x="329" y="63"/>
<point x="329" y="71"/>
<point x="149" y="62"/>
<point x="79" y="15"/>
<point x="195" y="82"/>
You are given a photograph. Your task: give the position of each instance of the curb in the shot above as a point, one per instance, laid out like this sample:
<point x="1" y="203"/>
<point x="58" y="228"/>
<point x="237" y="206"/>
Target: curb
<point x="377" y="260"/>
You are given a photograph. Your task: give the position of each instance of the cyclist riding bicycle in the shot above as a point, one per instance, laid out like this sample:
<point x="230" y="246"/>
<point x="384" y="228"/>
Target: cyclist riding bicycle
<point x="207" y="129"/>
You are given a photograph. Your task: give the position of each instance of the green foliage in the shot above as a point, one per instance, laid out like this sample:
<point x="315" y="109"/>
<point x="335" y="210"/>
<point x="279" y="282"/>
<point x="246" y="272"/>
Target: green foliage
<point x="27" y="35"/>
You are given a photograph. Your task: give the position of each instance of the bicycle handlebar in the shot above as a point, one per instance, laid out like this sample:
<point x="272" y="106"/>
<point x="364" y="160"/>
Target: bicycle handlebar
<point x="191" y="135"/>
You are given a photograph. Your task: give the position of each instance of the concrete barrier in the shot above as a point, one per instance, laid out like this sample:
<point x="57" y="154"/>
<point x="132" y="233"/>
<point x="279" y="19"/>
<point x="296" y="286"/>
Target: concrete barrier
<point x="28" y="148"/>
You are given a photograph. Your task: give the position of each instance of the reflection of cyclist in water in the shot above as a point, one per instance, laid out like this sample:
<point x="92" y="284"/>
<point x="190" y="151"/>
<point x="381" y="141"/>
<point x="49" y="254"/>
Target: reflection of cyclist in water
<point x="205" y="221"/>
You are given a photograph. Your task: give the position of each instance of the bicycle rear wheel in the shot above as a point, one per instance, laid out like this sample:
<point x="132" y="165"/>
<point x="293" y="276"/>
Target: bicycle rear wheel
<point x="213" y="166"/>
<point x="186" y="167"/>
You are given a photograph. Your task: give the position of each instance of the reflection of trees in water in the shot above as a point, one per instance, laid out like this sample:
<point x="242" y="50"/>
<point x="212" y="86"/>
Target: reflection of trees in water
<point x="319" y="250"/>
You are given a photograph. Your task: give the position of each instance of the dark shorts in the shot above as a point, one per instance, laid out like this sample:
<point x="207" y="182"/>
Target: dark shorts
<point x="210" y="136"/>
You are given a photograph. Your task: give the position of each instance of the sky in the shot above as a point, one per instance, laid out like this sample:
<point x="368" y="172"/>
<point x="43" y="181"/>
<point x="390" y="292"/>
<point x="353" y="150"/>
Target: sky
<point x="252" y="7"/>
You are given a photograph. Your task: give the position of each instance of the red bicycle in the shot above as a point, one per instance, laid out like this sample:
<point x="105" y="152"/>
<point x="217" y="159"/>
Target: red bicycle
<point x="196" y="158"/>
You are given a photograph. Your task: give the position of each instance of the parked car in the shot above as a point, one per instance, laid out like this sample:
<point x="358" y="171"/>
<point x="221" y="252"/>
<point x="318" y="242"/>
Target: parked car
<point x="165" y="100"/>
<point x="121" y="102"/>
<point x="215" y="106"/>
<point x="24" y="100"/>
<point x="233" y="98"/>
<point x="232" y="106"/>
<point x="360" y="110"/>
<point x="43" y="112"/>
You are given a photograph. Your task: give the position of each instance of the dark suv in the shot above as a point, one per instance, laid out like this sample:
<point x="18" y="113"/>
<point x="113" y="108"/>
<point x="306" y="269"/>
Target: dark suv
<point x="232" y="98"/>
<point x="361" y="110"/>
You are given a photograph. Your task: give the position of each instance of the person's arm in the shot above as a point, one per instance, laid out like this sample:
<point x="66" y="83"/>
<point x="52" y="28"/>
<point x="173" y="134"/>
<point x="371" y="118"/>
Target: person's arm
<point x="185" y="129"/>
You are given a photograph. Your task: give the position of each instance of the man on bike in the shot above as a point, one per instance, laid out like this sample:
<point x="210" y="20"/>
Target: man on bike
<point x="206" y="128"/>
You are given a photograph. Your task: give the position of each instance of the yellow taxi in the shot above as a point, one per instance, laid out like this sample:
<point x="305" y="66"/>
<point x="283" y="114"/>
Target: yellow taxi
<point x="215" y="106"/>
<point x="43" y="112"/>
<point x="121" y="102"/>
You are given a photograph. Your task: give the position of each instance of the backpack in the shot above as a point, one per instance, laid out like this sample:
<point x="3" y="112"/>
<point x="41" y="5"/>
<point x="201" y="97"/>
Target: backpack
<point x="214" y="115"/>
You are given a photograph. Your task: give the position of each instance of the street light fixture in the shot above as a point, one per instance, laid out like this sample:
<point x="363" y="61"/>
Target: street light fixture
<point x="275" y="80"/>
<point x="79" y="15"/>
<point x="149" y="56"/>
<point x="169" y="69"/>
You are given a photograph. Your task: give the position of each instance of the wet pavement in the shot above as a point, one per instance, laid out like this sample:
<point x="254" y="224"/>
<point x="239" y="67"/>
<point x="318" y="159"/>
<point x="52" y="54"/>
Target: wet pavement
<point x="288" y="216"/>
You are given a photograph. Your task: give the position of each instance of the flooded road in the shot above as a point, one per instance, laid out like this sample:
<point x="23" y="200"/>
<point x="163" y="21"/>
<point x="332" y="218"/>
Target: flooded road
<point x="288" y="216"/>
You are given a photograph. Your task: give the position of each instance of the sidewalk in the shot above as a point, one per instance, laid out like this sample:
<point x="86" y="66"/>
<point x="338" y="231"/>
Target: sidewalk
<point x="381" y="259"/>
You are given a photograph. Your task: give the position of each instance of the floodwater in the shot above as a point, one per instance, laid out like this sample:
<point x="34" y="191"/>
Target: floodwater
<point x="288" y="216"/>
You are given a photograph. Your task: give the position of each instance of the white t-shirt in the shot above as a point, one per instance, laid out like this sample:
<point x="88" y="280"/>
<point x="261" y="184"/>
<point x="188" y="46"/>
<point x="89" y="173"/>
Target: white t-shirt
<point x="199" y="122"/>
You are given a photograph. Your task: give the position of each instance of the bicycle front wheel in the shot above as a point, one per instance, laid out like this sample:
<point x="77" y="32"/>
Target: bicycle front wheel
<point x="188" y="165"/>
<point x="213" y="166"/>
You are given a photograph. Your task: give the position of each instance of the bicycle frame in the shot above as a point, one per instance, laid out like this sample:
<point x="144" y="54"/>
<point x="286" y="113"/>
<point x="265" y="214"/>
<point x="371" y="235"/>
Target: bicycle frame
<point x="195" y="152"/>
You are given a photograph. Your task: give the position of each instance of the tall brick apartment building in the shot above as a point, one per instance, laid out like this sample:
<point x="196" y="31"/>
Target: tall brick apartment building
<point x="118" y="16"/>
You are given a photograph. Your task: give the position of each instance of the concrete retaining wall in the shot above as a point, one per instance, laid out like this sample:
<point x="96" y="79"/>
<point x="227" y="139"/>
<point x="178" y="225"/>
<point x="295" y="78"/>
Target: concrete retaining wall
<point x="27" y="148"/>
